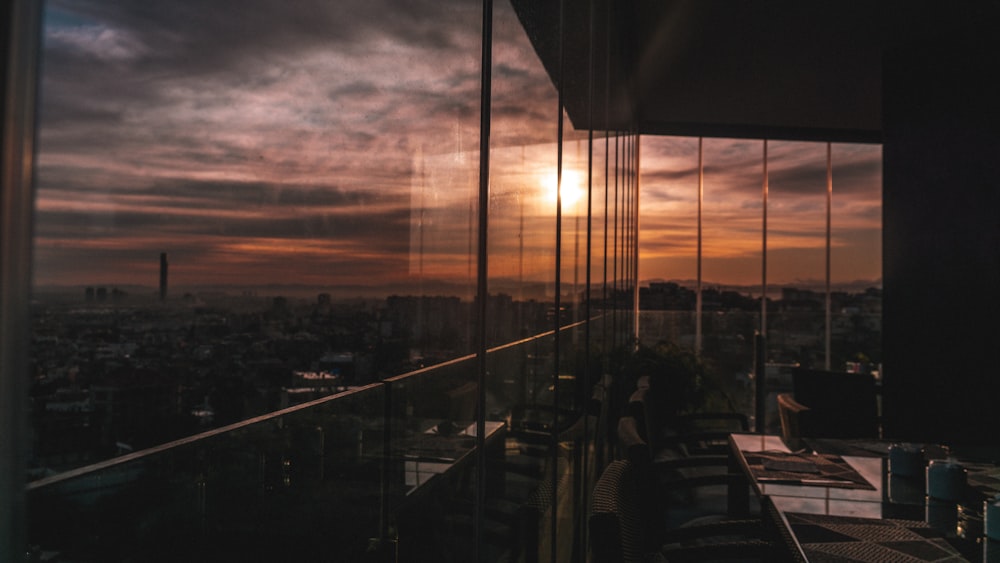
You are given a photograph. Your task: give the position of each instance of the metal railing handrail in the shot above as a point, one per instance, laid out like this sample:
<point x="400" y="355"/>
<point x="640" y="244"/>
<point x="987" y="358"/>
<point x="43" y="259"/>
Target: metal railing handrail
<point x="470" y="357"/>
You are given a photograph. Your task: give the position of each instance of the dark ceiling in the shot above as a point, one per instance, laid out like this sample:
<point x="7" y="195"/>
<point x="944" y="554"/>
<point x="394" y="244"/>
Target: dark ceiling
<point x="785" y="69"/>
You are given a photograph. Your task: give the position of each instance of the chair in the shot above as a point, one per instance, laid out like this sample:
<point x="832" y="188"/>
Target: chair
<point x="707" y="433"/>
<point x="796" y="421"/>
<point x="686" y="498"/>
<point x="683" y="435"/>
<point x="615" y="520"/>
<point x="618" y="533"/>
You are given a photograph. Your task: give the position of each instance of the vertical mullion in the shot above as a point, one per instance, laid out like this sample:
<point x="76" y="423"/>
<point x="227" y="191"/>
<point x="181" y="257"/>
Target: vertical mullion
<point x="698" y="296"/>
<point x="630" y="230"/>
<point x="482" y="270"/>
<point x="581" y="539"/>
<point x="763" y="266"/>
<point x="614" y="261"/>
<point x="829" y="217"/>
<point x="553" y="445"/>
<point x="635" y="235"/>
<point x="607" y="192"/>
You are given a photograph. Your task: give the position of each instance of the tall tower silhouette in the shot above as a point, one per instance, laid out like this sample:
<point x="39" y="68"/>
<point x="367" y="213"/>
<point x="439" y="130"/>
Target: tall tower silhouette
<point x="163" y="276"/>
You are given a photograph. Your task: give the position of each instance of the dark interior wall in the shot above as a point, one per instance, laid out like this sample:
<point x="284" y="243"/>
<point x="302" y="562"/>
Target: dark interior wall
<point x="941" y="239"/>
<point x="19" y="25"/>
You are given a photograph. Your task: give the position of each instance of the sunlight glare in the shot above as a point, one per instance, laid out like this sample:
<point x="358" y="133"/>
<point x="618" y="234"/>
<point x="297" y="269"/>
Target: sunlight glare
<point x="572" y="188"/>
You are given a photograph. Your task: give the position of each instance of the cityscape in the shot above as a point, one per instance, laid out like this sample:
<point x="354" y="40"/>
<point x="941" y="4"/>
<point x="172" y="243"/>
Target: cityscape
<point x="116" y="371"/>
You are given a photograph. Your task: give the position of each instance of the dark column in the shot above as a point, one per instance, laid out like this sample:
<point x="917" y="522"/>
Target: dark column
<point x="942" y="238"/>
<point x="163" y="276"/>
<point x="19" y="39"/>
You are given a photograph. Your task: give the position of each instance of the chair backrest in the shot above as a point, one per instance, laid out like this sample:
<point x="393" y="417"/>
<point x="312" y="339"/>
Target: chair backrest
<point x="842" y="405"/>
<point x="793" y="417"/>
<point x="615" y="521"/>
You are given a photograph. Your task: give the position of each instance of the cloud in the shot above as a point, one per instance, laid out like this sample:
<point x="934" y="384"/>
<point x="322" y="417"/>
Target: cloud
<point x="102" y="43"/>
<point x="336" y="140"/>
<point x="246" y="133"/>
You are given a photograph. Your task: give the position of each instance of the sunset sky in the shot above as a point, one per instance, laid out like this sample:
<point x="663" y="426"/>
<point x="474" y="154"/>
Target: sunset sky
<point x="336" y="143"/>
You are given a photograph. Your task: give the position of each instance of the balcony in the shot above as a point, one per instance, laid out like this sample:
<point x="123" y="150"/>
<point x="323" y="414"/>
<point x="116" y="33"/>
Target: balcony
<point x="385" y="471"/>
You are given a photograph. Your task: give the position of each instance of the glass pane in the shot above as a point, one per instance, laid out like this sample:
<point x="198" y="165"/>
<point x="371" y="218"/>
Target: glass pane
<point x="601" y="224"/>
<point x="856" y="258"/>
<point x="241" y="213"/>
<point x="731" y="267"/>
<point x="796" y="253"/>
<point x="431" y="460"/>
<point x="234" y="212"/>
<point x="668" y="243"/>
<point x="522" y="258"/>
<point x="796" y="265"/>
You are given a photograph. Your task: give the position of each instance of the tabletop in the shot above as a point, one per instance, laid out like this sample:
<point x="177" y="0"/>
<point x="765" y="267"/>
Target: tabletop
<point x="849" y="508"/>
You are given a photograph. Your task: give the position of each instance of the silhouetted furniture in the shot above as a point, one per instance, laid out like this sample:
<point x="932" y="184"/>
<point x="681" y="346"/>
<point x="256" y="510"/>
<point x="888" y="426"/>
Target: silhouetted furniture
<point x="539" y="472"/>
<point x="795" y="420"/>
<point x="684" y="499"/>
<point x="671" y="473"/>
<point x="672" y="435"/>
<point x="832" y="405"/>
<point x="706" y="433"/>
<point x="618" y="533"/>
<point x="615" y="521"/>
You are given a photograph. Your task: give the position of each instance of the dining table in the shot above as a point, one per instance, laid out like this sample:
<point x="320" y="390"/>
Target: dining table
<point x="837" y="500"/>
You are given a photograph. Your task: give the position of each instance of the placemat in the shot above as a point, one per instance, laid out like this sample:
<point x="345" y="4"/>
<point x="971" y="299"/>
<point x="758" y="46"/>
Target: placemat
<point x="805" y="469"/>
<point x="840" y="538"/>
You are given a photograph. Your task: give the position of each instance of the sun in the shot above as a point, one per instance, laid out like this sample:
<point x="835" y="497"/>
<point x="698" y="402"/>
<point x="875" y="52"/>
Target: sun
<point x="572" y="188"/>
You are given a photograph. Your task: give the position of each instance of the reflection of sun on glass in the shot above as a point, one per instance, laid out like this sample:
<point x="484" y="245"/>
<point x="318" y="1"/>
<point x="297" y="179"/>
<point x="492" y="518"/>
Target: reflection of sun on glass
<point x="572" y="188"/>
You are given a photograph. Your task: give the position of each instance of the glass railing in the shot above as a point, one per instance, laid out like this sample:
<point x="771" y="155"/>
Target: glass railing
<point x="302" y="483"/>
<point x="384" y="470"/>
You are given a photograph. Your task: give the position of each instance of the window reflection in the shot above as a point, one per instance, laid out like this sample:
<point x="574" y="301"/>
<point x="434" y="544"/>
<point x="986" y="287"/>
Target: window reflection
<point x="255" y="284"/>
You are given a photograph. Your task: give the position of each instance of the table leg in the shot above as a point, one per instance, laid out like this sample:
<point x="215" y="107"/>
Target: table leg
<point x="739" y="487"/>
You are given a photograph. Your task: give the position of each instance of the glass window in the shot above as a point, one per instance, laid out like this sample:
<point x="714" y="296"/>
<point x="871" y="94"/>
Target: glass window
<point x="732" y="219"/>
